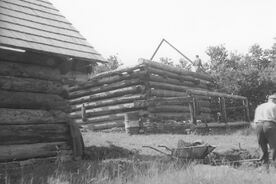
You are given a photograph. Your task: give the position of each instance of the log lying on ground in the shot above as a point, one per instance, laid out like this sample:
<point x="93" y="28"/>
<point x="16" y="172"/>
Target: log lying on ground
<point x="109" y="94"/>
<point x="109" y="102"/>
<point x="121" y="108"/>
<point x="27" y="116"/>
<point x="108" y="80"/>
<point x="156" y="78"/>
<point x="30" y="134"/>
<point x="29" y="71"/>
<point x="109" y="87"/>
<point x="175" y="70"/>
<point x="31" y="85"/>
<point x="167" y="93"/>
<point x="27" y="100"/>
<point x="26" y="151"/>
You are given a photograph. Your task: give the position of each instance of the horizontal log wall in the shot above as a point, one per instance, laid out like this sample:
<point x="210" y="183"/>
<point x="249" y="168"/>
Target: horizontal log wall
<point x="33" y="109"/>
<point x="104" y="100"/>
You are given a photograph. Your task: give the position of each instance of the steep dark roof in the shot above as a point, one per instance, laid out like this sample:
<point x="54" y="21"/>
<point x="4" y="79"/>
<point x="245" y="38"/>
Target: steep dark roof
<point x="38" y="26"/>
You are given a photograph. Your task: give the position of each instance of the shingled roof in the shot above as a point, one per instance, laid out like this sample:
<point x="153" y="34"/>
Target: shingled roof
<point x="36" y="25"/>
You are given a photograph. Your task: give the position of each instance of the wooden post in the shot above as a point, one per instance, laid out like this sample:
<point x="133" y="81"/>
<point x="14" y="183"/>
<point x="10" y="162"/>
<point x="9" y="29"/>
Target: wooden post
<point x="192" y="114"/>
<point x="147" y="95"/>
<point x="194" y="110"/>
<point x="246" y="111"/>
<point x="132" y="124"/>
<point x="223" y="109"/>
<point x="83" y="113"/>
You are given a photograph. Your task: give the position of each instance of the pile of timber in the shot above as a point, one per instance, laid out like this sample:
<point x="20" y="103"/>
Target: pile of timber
<point x="153" y="90"/>
<point x="33" y="112"/>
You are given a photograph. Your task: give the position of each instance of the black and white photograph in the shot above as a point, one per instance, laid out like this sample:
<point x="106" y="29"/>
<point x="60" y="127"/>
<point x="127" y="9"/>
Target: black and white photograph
<point x="137" y="92"/>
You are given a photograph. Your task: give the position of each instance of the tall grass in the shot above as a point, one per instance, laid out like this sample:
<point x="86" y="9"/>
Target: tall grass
<point x="126" y="172"/>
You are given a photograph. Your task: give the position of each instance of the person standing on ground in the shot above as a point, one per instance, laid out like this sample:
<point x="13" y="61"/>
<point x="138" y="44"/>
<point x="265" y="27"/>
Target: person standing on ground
<point x="265" y="119"/>
<point x="197" y="64"/>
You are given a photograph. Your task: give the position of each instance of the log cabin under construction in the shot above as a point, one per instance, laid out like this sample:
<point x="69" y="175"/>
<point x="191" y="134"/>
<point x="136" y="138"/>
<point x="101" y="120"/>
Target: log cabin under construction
<point x="149" y="95"/>
<point x="40" y="52"/>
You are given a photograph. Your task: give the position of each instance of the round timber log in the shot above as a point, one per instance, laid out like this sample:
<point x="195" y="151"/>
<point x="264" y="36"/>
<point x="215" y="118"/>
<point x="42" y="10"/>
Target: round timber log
<point x="27" y="100"/>
<point x="175" y="70"/>
<point x="100" y="89"/>
<point x="169" y="108"/>
<point x="32" y="85"/>
<point x="30" y="71"/>
<point x="108" y="102"/>
<point x="25" y="151"/>
<point x="122" y="108"/>
<point x="109" y="94"/>
<point x="30" y="134"/>
<point x="29" y="116"/>
<point x="156" y="78"/>
<point x="108" y="80"/>
<point x="167" y="74"/>
<point x="167" y="93"/>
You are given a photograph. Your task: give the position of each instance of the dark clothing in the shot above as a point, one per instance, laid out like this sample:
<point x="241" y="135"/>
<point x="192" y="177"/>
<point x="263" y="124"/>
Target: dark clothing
<point x="266" y="134"/>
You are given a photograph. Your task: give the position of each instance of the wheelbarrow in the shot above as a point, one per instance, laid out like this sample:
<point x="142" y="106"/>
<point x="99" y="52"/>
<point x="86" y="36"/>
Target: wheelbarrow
<point x="187" y="153"/>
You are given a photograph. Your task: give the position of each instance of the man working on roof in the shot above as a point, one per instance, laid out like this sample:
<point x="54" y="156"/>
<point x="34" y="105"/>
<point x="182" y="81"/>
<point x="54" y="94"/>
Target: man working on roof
<point x="265" y="119"/>
<point x="197" y="64"/>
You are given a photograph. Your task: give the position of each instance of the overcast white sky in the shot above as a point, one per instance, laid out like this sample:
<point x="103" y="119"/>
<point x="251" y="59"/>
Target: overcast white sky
<point x="133" y="28"/>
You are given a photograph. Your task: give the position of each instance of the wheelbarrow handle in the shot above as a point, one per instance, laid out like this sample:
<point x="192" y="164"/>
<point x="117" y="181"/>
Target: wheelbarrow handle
<point x="162" y="146"/>
<point x="157" y="150"/>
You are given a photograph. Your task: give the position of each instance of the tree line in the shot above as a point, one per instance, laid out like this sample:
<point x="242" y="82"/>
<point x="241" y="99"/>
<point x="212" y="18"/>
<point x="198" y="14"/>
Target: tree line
<point x="251" y="74"/>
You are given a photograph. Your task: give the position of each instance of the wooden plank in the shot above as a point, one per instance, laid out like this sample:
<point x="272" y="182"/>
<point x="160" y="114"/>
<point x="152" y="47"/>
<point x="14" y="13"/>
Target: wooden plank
<point x="32" y="85"/>
<point x="175" y="70"/>
<point x="30" y="134"/>
<point x="29" y="71"/>
<point x="109" y="94"/>
<point x="27" y="100"/>
<point x="28" y="116"/>
<point x="26" y="151"/>
<point x="109" y="102"/>
<point x="100" y="89"/>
